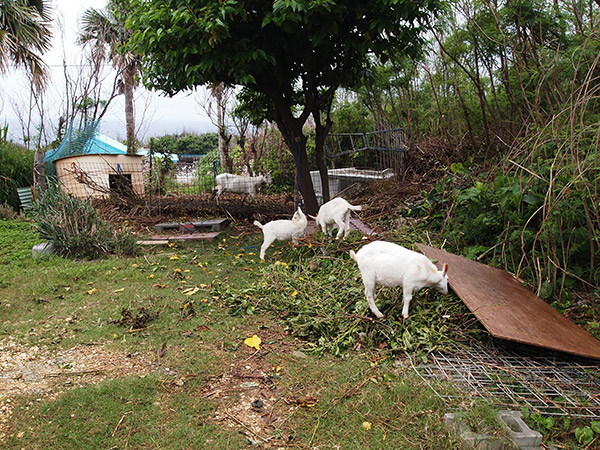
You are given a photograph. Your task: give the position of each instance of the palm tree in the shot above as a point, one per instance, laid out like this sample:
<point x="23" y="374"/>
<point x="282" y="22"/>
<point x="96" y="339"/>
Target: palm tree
<point x="25" y="34"/>
<point x="106" y="31"/>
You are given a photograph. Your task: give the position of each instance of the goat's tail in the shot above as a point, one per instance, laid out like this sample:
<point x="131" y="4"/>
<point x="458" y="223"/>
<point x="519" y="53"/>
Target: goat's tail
<point x="258" y="224"/>
<point x="352" y="255"/>
<point x="355" y="208"/>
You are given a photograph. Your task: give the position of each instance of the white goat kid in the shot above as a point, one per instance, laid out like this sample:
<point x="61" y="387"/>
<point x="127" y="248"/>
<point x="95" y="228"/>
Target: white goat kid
<point x="243" y="184"/>
<point x="282" y="230"/>
<point x="391" y="265"/>
<point x="335" y="211"/>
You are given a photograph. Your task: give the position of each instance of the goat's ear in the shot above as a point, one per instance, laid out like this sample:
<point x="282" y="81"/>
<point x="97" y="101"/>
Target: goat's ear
<point x="444" y="269"/>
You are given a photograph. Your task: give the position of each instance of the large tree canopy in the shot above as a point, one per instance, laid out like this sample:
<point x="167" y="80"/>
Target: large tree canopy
<point x="292" y="54"/>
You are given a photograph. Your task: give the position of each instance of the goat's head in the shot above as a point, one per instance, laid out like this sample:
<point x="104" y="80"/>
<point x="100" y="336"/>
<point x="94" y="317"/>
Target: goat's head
<point x="442" y="285"/>
<point x="298" y="216"/>
<point x="267" y="177"/>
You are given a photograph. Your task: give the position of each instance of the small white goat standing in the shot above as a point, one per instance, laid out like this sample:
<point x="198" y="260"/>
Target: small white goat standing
<point x="335" y="211"/>
<point x="282" y="230"/>
<point x="391" y="265"/>
<point x="243" y="184"/>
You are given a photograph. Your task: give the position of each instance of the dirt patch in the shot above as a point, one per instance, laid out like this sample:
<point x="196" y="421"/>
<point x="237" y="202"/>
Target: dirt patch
<point x="253" y="395"/>
<point x="48" y="373"/>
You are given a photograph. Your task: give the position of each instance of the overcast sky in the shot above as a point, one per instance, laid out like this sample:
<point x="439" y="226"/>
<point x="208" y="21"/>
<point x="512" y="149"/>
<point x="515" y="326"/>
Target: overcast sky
<point x="156" y="114"/>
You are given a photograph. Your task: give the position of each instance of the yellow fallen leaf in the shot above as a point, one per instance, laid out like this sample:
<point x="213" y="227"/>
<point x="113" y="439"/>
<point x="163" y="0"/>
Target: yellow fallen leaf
<point x="174" y="257"/>
<point x="150" y="276"/>
<point x="253" y="342"/>
<point x="293" y="294"/>
<point x="367" y="425"/>
<point x="119" y="290"/>
<point x="247" y="269"/>
<point x="190" y="291"/>
<point x="90" y="292"/>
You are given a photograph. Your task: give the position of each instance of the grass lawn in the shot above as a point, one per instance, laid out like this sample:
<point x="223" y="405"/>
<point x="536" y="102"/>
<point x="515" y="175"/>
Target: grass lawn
<point x="153" y="352"/>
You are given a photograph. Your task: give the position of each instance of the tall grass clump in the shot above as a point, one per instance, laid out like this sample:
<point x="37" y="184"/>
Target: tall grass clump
<point x="73" y="226"/>
<point x="16" y="170"/>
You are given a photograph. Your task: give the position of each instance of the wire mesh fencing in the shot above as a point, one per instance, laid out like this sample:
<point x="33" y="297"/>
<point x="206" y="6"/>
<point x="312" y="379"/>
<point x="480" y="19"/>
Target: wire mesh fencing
<point x="544" y="384"/>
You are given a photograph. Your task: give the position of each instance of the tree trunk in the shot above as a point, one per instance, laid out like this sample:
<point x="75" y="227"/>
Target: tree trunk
<point x="39" y="173"/>
<point x="218" y="92"/>
<point x="311" y="206"/>
<point x="321" y="131"/>
<point x="128" y="85"/>
<point x="291" y="130"/>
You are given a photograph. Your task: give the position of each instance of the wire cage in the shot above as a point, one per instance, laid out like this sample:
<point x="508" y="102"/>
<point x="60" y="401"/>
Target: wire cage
<point x="378" y="150"/>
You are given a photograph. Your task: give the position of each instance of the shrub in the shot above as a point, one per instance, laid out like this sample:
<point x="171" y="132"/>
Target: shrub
<point x="73" y="226"/>
<point x="16" y="170"/>
<point x="544" y="232"/>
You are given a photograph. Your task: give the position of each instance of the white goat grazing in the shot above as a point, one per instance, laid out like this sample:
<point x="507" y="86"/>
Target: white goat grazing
<point x="391" y="265"/>
<point x="282" y="230"/>
<point x="243" y="184"/>
<point x="335" y="211"/>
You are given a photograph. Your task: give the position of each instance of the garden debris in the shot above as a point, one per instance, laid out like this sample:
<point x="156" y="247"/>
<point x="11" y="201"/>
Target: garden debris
<point x="136" y="322"/>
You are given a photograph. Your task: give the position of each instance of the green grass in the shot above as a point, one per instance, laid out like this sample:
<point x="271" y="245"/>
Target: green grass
<point x="358" y="399"/>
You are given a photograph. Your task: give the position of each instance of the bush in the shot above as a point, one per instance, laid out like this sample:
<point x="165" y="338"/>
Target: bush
<point x="522" y="223"/>
<point x="74" y="228"/>
<point x="16" y="170"/>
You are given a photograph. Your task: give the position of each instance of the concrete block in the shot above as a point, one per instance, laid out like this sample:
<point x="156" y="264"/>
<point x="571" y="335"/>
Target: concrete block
<point x="470" y="439"/>
<point x="190" y="227"/>
<point x="166" y="226"/>
<point x="519" y="435"/>
<point x="523" y="436"/>
<point x="43" y="249"/>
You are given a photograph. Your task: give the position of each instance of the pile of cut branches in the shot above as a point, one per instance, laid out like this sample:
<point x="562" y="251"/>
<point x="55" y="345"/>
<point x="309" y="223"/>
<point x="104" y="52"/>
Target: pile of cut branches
<point x="317" y="291"/>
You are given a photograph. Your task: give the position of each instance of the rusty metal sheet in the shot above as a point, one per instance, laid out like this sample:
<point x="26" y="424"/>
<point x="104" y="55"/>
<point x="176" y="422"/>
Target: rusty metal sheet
<point x="510" y="311"/>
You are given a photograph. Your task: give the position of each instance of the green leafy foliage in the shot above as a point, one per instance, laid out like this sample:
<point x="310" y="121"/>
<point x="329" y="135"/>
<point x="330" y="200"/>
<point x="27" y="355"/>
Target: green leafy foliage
<point x="74" y="228"/>
<point x="16" y="170"/>
<point x="518" y="220"/>
<point x="185" y="144"/>
<point x="321" y="299"/>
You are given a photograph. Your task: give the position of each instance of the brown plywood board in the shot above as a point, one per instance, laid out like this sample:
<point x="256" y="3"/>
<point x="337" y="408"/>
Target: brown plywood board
<point x="510" y="311"/>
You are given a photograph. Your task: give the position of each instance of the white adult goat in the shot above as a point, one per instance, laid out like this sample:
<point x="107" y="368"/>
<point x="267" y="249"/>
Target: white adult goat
<point x="243" y="184"/>
<point x="335" y="211"/>
<point x="391" y="265"/>
<point x="282" y="230"/>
